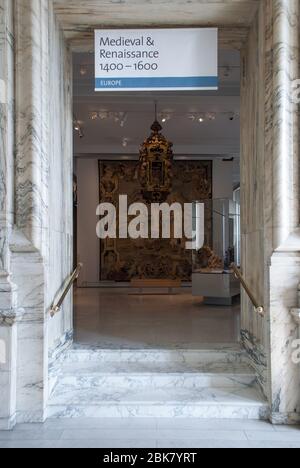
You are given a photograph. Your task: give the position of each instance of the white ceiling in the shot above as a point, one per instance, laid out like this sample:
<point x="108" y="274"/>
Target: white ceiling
<point x="219" y="137"/>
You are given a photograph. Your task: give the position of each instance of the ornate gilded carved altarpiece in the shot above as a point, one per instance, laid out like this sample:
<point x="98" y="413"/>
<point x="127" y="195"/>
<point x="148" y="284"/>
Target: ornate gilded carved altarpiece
<point x="124" y="259"/>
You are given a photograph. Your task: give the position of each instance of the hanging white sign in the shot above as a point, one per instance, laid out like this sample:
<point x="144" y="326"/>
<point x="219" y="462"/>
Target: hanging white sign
<point x="158" y="59"/>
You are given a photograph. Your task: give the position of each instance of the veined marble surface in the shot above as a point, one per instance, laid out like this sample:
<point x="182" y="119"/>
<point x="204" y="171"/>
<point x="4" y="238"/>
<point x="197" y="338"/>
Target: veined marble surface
<point x="202" y="403"/>
<point x="9" y="312"/>
<point x="224" y="354"/>
<point x="134" y="376"/>
<point x="144" y="12"/>
<point x="285" y="377"/>
<point x="285" y="122"/>
<point x="41" y="244"/>
<point x="270" y="155"/>
<point x="285" y="261"/>
<point x="256" y="354"/>
<point x="149" y="383"/>
<point x="44" y="190"/>
<point x="6" y="130"/>
<point x="80" y="18"/>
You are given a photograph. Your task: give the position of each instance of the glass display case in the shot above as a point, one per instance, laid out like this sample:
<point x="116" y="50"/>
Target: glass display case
<point x="216" y="227"/>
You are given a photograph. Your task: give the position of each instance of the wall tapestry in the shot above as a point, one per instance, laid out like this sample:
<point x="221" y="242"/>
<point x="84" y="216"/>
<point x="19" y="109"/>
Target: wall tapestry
<point x="124" y="259"/>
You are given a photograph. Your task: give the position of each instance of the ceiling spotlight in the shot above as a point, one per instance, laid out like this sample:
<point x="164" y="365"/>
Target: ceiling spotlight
<point x="83" y="71"/>
<point x="192" y="117"/>
<point x="103" y="114"/>
<point x="201" y="118"/>
<point x="233" y="115"/>
<point x="211" y="116"/>
<point x="125" y="142"/>
<point x="78" y="129"/>
<point x="165" y="117"/>
<point x="123" y="116"/>
<point x="77" y="125"/>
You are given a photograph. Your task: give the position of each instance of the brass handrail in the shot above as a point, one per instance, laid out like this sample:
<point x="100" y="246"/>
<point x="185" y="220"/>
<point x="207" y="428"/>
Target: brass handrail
<point x="258" y="308"/>
<point x="55" y="308"/>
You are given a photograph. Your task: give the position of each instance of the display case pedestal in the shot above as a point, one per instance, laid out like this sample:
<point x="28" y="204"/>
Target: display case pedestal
<point x="217" y="288"/>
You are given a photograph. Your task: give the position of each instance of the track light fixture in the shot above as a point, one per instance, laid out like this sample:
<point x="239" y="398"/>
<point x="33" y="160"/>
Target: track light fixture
<point x="121" y="118"/>
<point x="211" y="116"/>
<point x="77" y="125"/>
<point x="125" y="142"/>
<point x="83" y="71"/>
<point x="233" y="115"/>
<point x="118" y="117"/>
<point x="165" y="116"/>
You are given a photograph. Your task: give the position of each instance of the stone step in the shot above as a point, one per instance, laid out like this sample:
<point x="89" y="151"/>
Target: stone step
<point x="138" y="375"/>
<point x="208" y="356"/>
<point x="214" y="403"/>
<point x="202" y="383"/>
<point x="209" y="359"/>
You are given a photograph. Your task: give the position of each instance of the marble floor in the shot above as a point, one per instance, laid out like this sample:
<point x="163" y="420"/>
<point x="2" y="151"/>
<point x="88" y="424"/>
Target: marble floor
<point x="117" y="318"/>
<point x="151" y="433"/>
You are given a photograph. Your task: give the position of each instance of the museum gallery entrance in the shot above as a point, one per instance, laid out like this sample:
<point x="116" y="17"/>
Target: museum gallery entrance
<point x="47" y="373"/>
<point x="135" y="293"/>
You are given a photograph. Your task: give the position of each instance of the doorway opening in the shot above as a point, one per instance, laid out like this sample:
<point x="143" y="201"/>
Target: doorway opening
<point x="204" y="127"/>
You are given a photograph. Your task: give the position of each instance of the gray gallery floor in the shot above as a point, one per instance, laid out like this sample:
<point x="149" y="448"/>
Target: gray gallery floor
<point x="151" y="433"/>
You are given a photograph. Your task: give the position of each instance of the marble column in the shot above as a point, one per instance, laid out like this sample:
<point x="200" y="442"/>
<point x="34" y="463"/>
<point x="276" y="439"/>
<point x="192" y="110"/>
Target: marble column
<point x="285" y="122"/>
<point x="29" y="240"/>
<point x="284" y="234"/>
<point x="270" y="201"/>
<point x="32" y="86"/>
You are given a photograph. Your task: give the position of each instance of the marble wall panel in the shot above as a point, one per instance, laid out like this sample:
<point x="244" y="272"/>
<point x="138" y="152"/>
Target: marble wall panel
<point x="28" y="272"/>
<point x="60" y="233"/>
<point x="9" y="313"/>
<point x="8" y="377"/>
<point x="253" y="177"/>
<point x="6" y="129"/>
<point x="42" y="240"/>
